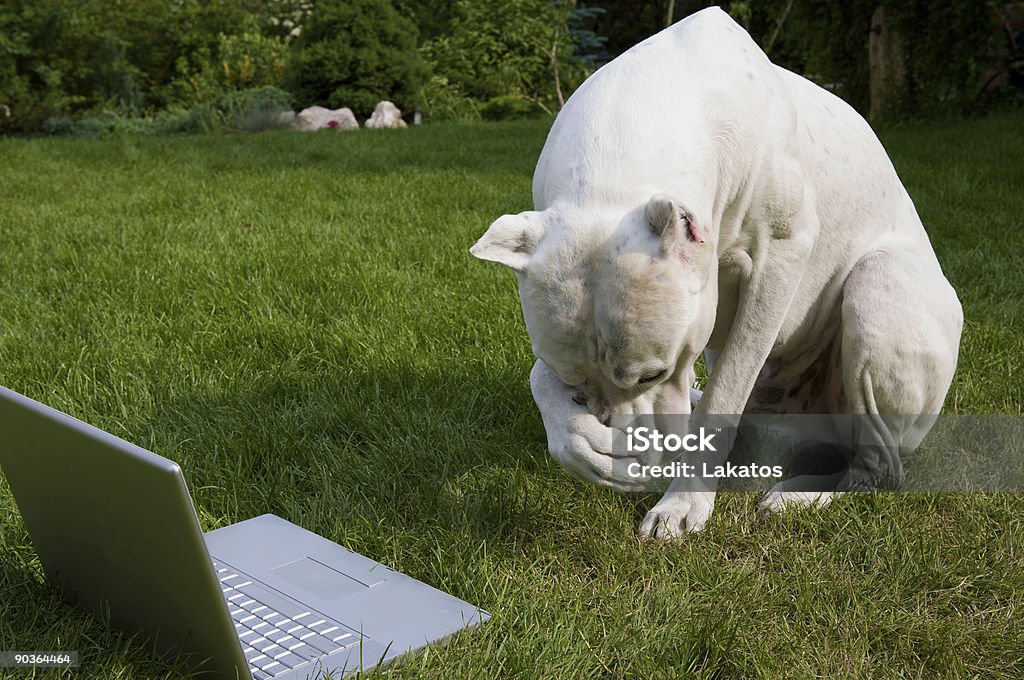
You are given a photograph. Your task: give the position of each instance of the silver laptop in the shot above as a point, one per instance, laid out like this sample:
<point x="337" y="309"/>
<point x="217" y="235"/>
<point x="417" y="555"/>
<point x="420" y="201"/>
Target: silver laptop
<point x="116" y="530"/>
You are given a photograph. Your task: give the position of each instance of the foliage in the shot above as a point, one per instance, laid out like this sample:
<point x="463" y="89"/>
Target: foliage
<point x="521" y="49"/>
<point x="507" y="107"/>
<point x="284" y="18"/>
<point x="587" y="45"/>
<point x="250" y="110"/>
<point x="67" y="59"/>
<point x="443" y="100"/>
<point x="355" y="53"/>
<point x="239" y="62"/>
<point x="133" y="58"/>
<point x="626" y="22"/>
<point x="432" y="17"/>
<point x="945" y="42"/>
<point x="944" y="45"/>
<point x="247" y="110"/>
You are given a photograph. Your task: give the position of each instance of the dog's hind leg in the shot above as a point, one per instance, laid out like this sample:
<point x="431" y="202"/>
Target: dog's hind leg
<point x="901" y="338"/>
<point x="901" y="324"/>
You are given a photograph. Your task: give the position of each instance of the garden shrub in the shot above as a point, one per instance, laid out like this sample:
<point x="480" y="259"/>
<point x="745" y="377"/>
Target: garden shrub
<point x="239" y="62"/>
<point x="443" y="100"/>
<point x="505" y="49"/>
<point x="355" y="53"/>
<point x="78" y="59"/>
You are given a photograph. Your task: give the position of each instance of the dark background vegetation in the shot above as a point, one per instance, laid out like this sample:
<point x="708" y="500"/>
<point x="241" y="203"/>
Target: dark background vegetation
<point x="182" y="65"/>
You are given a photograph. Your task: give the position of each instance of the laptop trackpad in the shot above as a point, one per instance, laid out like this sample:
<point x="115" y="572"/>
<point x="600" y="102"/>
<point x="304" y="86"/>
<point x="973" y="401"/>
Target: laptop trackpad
<point x="317" y="579"/>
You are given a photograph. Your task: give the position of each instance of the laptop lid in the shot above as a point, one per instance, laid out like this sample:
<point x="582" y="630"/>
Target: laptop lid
<point x="116" y="530"/>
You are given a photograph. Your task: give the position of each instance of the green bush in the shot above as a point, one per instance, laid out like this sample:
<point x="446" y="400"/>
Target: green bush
<point x="38" y="56"/>
<point x="74" y="59"/>
<point x="239" y="62"/>
<point x="509" y="49"/>
<point x="355" y="53"/>
<point x="443" y="100"/>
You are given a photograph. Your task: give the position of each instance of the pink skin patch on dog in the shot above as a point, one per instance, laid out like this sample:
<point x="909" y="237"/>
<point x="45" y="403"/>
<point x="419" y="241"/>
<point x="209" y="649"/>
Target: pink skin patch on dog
<point x="695" y="234"/>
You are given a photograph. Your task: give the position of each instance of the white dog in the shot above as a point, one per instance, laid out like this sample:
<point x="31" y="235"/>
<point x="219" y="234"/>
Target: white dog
<point x="693" y="196"/>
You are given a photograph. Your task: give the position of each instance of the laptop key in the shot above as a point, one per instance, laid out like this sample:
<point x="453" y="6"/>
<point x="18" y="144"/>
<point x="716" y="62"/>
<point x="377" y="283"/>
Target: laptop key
<point x="324" y="628"/>
<point x="277" y="635"/>
<point x="289" y="660"/>
<point x="246" y="604"/>
<point x="259" y="642"/>
<point x="304" y="651"/>
<point x="263" y="645"/>
<point x="273" y="650"/>
<point x="325" y="645"/>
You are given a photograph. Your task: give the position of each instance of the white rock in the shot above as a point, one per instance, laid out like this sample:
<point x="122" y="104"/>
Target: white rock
<point x="386" y="115"/>
<point x="317" y="117"/>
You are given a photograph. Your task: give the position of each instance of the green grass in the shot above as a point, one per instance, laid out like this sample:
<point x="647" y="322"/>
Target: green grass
<point x="296" y="320"/>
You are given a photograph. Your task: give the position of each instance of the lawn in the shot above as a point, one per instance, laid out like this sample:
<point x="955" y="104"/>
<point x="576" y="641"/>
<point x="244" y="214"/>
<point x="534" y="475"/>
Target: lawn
<point x="295" y="319"/>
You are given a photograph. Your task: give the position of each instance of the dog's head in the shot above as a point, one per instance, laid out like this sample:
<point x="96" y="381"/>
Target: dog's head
<point x="619" y="309"/>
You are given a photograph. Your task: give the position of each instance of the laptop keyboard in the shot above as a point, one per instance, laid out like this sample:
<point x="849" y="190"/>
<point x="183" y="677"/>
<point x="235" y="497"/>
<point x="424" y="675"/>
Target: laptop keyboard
<point x="277" y="634"/>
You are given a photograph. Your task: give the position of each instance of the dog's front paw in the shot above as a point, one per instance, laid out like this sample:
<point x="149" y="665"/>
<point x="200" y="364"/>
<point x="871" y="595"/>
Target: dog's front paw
<point x="579" y="441"/>
<point x="676" y="514"/>
<point x="583" y="446"/>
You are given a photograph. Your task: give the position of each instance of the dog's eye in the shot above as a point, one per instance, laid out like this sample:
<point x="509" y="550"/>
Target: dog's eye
<point x="652" y="377"/>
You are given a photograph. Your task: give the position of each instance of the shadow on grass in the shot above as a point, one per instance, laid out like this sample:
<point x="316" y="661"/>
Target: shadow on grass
<point x="359" y="454"/>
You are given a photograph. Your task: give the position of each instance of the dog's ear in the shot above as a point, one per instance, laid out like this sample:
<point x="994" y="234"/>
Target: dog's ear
<point x="671" y="221"/>
<point x="511" y="240"/>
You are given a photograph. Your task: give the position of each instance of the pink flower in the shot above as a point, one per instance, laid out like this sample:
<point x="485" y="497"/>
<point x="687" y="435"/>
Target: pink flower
<point x="332" y="123"/>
